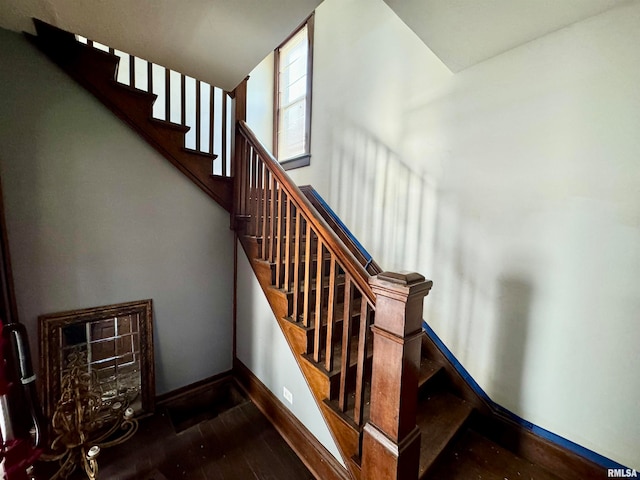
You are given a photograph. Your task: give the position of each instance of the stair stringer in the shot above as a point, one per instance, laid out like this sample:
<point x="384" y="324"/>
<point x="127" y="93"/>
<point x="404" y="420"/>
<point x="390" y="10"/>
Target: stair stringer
<point x="95" y="70"/>
<point x="347" y="439"/>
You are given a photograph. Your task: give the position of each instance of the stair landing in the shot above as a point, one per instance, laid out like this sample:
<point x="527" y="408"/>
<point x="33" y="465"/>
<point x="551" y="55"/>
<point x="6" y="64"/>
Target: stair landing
<point x="474" y="457"/>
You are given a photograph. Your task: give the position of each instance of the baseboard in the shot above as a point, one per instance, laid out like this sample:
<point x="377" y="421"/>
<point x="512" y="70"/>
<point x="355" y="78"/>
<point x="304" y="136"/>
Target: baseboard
<point x="193" y="388"/>
<point x="553" y="452"/>
<point x="313" y="454"/>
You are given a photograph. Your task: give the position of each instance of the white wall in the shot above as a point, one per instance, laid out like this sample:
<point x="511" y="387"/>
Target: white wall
<point x="262" y="347"/>
<point x="260" y="101"/>
<point x="95" y="216"/>
<point x="514" y="186"/>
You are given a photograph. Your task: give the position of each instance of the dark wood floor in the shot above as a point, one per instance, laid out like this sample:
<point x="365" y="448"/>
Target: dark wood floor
<point x="239" y="444"/>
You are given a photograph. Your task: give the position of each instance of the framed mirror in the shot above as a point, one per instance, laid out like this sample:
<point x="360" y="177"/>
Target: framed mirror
<point x="115" y="344"/>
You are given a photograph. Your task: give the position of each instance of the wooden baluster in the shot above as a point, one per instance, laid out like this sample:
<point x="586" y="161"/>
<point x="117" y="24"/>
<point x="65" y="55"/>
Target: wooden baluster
<point x="318" y="334"/>
<point x="167" y="94"/>
<point x="132" y="71"/>
<point x="306" y="282"/>
<point x="281" y="218"/>
<point x="248" y="200"/>
<point x="223" y="149"/>
<point x="238" y="182"/>
<point x="238" y="158"/>
<point x="265" y="213"/>
<point x="183" y="99"/>
<point x="257" y="187"/>
<point x="391" y="438"/>
<point x="331" y="309"/>
<point x="243" y="169"/>
<point x="273" y="219"/>
<point x="112" y="50"/>
<point x="198" y="117"/>
<point x="287" y="244"/>
<point x="212" y="115"/>
<point x="238" y="112"/>
<point x="361" y="369"/>
<point x="296" y="267"/>
<point x="257" y="201"/>
<point x="249" y="182"/>
<point x="89" y="42"/>
<point x="346" y="344"/>
<point x="150" y="77"/>
<point x="259" y="178"/>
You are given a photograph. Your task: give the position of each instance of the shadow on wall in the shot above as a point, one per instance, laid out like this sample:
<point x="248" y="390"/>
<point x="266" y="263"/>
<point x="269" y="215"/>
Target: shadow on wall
<point x="255" y="326"/>
<point x="515" y="298"/>
<point x="406" y="220"/>
<point x="383" y="200"/>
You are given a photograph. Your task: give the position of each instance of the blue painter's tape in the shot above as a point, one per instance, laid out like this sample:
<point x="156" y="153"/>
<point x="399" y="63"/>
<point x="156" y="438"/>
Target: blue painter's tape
<point x="541" y="432"/>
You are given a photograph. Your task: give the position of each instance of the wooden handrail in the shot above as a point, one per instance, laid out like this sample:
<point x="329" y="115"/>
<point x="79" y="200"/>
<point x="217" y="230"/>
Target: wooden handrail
<point x="341" y="230"/>
<point x="347" y="260"/>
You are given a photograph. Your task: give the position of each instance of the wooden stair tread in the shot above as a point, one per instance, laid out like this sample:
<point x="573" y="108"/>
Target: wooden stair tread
<point x="462" y="468"/>
<point x="337" y="358"/>
<point x="134" y="91"/>
<point x="172" y="125"/>
<point x="428" y="369"/>
<point x="500" y="460"/>
<point x="340" y="280"/>
<point x="338" y="316"/>
<point x="204" y="155"/>
<point x="347" y="415"/>
<point x="94" y="59"/>
<point x="221" y="178"/>
<point x="476" y="453"/>
<point x="338" y="313"/>
<point x="441" y="415"/>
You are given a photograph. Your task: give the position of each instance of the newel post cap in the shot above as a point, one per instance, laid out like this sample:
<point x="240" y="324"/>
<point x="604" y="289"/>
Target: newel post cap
<point x="405" y="284"/>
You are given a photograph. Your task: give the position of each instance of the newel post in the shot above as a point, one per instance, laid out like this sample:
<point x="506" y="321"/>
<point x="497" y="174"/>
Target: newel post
<point x="239" y="95"/>
<point x="391" y="439"/>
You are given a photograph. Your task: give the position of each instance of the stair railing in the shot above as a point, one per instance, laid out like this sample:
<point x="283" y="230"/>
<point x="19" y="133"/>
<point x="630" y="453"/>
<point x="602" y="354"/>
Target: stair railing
<point x="306" y="252"/>
<point x="183" y="100"/>
<point x="378" y="374"/>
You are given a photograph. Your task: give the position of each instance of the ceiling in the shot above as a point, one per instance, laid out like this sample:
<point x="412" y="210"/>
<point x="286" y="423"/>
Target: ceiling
<point x="465" y="32"/>
<point x="221" y="41"/>
<point x="217" y="41"/>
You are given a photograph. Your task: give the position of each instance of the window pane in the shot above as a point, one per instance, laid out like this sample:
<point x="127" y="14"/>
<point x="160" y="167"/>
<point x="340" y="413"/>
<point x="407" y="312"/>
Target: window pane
<point x="294" y="92"/>
<point x="291" y="134"/>
<point x="292" y="96"/>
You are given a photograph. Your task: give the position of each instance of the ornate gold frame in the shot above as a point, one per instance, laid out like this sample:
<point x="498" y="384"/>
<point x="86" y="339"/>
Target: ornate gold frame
<point x="50" y="328"/>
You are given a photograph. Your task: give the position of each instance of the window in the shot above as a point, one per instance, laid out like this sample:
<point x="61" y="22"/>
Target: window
<point x="292" y="122"/>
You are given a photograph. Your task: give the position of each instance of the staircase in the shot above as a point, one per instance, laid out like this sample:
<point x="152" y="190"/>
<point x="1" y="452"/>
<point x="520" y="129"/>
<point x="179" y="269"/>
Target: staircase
<point x="96" y="70"/>
<point x="395" y="405"/>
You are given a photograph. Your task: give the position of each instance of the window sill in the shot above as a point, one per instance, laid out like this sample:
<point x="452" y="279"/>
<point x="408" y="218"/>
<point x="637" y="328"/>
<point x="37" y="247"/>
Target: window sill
<point x="303" y="160"/>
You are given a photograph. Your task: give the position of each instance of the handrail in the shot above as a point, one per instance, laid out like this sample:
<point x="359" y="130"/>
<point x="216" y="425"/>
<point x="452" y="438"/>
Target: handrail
<point x="349" y="262"/>
<point x="350" y="241"/>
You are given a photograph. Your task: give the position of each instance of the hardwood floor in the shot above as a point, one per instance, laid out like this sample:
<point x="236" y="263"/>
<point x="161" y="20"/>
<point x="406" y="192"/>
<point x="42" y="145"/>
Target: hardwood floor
<point x="238" y="444"/>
